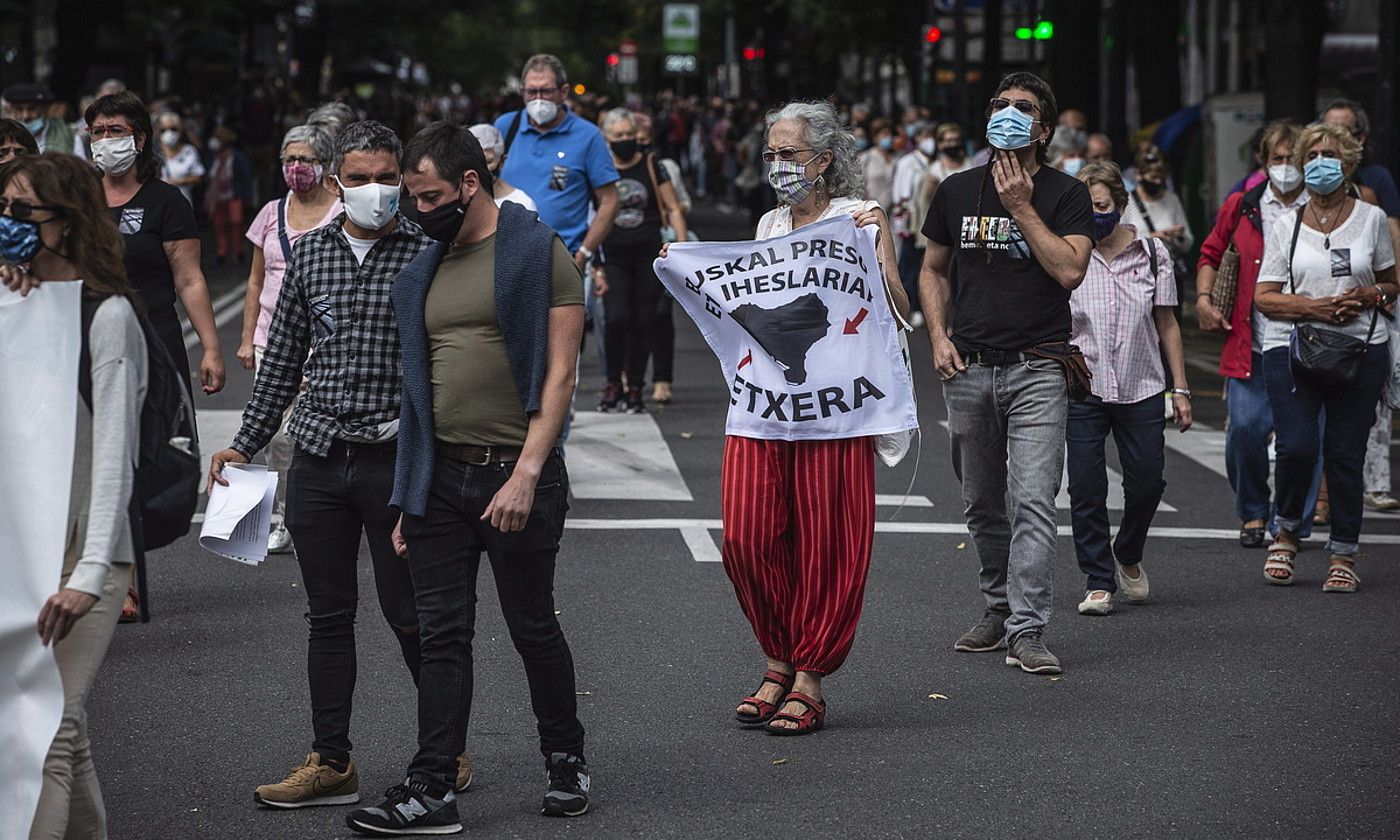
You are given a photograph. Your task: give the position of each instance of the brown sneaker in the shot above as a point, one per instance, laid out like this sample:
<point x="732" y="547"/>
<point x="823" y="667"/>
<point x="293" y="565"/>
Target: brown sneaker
<point x="464" y="773"/>
<point x="313" y="783"/>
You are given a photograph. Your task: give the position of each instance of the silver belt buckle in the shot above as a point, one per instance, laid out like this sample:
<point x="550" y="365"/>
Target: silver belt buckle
<point x="486" y="458"/>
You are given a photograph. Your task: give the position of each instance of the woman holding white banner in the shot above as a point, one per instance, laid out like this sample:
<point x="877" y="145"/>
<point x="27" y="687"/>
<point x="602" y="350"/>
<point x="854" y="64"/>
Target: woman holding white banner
<point x="55" y="227"/>
<point x="799" y="515"/>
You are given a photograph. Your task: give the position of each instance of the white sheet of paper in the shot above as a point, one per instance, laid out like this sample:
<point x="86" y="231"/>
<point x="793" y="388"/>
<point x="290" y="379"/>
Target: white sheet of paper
<point x="239" y="516"/>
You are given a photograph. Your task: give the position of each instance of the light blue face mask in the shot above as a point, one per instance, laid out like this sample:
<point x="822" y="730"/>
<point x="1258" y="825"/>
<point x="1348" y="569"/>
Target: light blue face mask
<point x="1071" y="166"/>
<point x="35" y="126"/>
<point x="1009" y="129"/>
<point x="1323" y="175"/>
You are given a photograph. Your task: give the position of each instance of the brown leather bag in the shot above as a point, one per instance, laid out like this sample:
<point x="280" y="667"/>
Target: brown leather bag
<point x="1227" y="283"/>
<point x="1070" y="359"/>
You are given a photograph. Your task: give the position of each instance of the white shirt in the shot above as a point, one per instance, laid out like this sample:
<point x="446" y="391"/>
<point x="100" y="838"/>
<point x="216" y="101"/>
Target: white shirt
<point x="359" y="246"/>
<point x="519" y="197"/>
<point x="1360" y="249"/>
<point x="185" y="163"/>
<point x="1271" y="207"/>
<point x="1166" y="211"/>
<point x="909" y="174"/>
<point x="877" y="169"/>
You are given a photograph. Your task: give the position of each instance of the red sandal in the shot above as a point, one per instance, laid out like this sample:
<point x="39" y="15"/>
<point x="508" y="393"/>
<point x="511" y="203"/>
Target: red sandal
<point x="766" y="710"/>
<point x="808" y="722"/>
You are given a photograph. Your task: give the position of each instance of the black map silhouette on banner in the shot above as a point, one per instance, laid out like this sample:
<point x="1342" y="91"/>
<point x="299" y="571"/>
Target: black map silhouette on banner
<point x="788" y="332"/>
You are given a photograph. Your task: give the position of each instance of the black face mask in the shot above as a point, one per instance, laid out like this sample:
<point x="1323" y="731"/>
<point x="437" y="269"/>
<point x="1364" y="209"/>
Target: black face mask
<point x="954" y="152"/>
<point x="624" y="149"/>
<point x="1153" y="188"/>
<point x="445" y="222"/>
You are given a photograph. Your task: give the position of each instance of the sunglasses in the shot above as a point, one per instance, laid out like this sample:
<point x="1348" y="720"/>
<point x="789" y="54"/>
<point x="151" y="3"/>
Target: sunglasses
<point x="20" y="209"/>
<point x="1022" y="105"/>
<point x="788" y="153"/>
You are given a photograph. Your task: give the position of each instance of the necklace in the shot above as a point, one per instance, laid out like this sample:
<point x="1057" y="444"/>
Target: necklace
<point x="1322" y="220"/>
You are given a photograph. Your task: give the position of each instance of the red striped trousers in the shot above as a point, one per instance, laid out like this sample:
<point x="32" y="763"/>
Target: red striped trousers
<point x="799" y="522"/>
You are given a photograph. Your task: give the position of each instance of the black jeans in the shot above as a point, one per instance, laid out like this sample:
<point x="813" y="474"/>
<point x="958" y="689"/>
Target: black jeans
<point x="663" y="342"/>
<point x="631" y="306"/>
<point x="1138" y="429"/>
<point x="330" y="501"/>
<point x="445" y="546"/>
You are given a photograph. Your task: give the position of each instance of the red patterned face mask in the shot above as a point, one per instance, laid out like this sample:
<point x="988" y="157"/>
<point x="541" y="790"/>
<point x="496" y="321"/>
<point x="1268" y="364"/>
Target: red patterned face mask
<point x="302" y="177"/>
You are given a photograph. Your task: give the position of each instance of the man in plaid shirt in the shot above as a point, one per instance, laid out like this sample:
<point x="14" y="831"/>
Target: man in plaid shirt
<point x="334" y="325"/>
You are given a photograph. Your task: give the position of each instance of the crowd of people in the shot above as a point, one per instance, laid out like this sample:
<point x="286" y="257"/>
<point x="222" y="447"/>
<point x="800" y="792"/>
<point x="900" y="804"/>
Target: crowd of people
<point x="415" y="313"/>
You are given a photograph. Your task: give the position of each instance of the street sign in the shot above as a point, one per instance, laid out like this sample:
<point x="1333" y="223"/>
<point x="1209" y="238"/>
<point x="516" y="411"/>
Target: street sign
<point x="626" y="70"/>
<point x="680" y="28"/>
<point x="627" y="47"/>
<point x="681" y="65"/>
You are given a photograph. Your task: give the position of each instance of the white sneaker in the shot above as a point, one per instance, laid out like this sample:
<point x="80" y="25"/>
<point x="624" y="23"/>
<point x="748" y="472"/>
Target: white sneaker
<point x="1101" y="605"/>
<point x="1380" y="500"/>
<point x="280" y="540"/>
<point x="1134" y="588"/>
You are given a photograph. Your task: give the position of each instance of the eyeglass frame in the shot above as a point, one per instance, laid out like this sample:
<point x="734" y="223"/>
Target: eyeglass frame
<point x="287" y="160"/>
<point x="105" y="132"/>
<point x="529" y="94"/>
<point x="786" y="154"/>
<point x="1030" y="107"/>
<point x="10" y="207"/>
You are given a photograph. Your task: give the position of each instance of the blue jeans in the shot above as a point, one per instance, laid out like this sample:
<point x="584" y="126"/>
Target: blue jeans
<point x="1137" y="429"/>
<point x="1298" y="403"/>
<point x="1007" y="428"/>
<point x="445" y="547"/>
<point x="1247" y="450"/>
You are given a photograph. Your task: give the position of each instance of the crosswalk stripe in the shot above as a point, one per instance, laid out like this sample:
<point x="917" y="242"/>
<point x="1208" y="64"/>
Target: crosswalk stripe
<point x="622" y="456"/>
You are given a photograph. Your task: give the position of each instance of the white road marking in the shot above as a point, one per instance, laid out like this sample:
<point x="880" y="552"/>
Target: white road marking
<point x="622" y="456"/>
<point x="701" y="544"/>
<point x="898" y="499"/>
<point x="226" y="307"/>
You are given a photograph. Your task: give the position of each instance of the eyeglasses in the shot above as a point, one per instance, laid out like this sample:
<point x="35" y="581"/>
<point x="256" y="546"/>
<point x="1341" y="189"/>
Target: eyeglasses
<point x="7" y="152"/>
<point x="98" y="132"/>
<point x="1022" y="105"/>
<point x="539" y="93"/>
<point x="788" y="153"/>
<point x="288" y="160"/>
<point x="21" y="209"/>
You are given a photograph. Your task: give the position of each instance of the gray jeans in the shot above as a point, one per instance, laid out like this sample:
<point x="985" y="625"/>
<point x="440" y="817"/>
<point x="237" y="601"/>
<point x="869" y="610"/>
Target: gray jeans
<point x="1007" y="425"/>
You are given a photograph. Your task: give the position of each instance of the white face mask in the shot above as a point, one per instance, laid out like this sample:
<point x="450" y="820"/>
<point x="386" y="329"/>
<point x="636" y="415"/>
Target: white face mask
<point x="541" y="111"/>
<point x="370" y="206"/>
<point x="114" y="155"/>
<point x="170" y="137"/>
<point x="928" y="146"/>
<point x="1285" y="177"/>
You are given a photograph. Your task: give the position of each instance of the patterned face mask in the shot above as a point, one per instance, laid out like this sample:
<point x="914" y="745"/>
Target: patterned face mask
<point x="788" y="178"/>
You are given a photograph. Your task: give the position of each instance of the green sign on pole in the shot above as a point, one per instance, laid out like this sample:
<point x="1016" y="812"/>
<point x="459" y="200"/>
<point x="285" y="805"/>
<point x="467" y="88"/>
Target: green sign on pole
<point x="680" y="28"/>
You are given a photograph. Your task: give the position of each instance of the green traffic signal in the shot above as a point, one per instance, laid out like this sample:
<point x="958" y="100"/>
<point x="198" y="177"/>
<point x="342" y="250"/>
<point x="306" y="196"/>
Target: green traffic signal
<point x="1043" y="31"/>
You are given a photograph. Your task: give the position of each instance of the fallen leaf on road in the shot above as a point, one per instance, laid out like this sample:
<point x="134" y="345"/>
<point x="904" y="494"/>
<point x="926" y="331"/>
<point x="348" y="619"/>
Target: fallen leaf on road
<point x="557" y="612"/>
<point x="584" y="693"/>
<point x="687" y="435"/>
<point x="938" y="697"/>
<point x="1055" y="679"/>
<point x="778" y="761"/>
<point x="961" y="546"/>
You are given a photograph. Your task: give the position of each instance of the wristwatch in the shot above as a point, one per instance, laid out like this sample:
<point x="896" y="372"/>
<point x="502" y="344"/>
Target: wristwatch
<point x="1185" y="392"/>
<point x="587" y="254"/>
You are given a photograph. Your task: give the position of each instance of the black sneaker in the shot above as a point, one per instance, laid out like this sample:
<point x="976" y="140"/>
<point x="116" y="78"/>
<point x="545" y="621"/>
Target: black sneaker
<point x="568" y="786"/>
<point x="414" y="807"/>
<point x="634" y="401"/>
<point x="988" y="634"/>
<point x="612" y="395"/>
<point x="1029" y="653"/>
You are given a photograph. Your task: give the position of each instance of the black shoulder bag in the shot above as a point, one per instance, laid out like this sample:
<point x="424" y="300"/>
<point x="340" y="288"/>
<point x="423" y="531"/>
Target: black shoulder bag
<point x="1323" y="354"/>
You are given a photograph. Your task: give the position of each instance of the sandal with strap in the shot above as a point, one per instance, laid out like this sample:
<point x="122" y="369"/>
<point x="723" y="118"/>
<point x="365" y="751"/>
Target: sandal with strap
<point x="131" y="607"/>
<point x="1280" y="559"/>
<point x="808" y="722"/>
<point x="765" y="709"/>
<point x="1341" y="576"/>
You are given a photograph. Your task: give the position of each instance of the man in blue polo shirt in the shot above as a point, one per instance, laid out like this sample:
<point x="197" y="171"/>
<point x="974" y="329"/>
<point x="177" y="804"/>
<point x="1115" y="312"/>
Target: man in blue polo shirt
<point x="559" y="159"/>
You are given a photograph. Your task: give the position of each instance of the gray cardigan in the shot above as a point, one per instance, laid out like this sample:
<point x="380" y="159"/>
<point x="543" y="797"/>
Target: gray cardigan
<point x="524" y="250"/>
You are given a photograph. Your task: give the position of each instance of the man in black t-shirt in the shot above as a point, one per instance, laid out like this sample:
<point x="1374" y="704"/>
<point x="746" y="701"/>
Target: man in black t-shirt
<point x="1008" y="242"/>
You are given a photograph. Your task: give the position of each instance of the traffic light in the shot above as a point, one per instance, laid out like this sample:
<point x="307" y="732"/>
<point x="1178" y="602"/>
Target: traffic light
<point x="1043" y="31"/>
<point x="614" y="59"/>
<point x="932" y="35"/>
<point x="750" y="53"/>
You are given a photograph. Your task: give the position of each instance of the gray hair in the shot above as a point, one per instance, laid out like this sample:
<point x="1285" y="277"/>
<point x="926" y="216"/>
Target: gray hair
<point x="314" y="136"/>
<point x="1363" y="122"/>
<point x="332" y="116"/>
<point x="365" y="136"/>
<point x="489" y="138"/>
<point x="825" y="133"/>
<point x="618" y="115"/>
<point x="545" y="61"/>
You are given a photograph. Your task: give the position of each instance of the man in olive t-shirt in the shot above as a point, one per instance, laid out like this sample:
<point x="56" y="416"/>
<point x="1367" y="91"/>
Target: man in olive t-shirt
<point x="490" y="319"/>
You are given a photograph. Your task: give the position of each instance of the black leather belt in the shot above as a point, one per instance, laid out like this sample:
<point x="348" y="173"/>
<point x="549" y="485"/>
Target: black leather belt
<point x="998" y="357"/>
<point x="478" y="456"/>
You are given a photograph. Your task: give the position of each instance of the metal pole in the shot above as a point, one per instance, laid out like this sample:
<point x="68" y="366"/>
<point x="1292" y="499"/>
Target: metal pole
<point x="960" y="62"/>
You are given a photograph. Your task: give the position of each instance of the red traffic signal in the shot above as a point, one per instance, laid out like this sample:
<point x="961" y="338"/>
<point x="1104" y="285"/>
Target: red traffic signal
<point x="933" y="34"/>
<point x="750" y="53"/>
<point x="614" y="59"/>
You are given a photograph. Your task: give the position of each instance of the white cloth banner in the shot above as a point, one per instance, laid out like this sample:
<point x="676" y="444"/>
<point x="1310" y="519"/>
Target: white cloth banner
<point x="39" y="345"/>
<point x="803" y="331"/>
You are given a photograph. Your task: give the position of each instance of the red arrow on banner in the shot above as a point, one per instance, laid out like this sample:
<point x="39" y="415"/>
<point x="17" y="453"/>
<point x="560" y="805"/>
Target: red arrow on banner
<point x="852" y="323"/>
<point x="745" y="360"/>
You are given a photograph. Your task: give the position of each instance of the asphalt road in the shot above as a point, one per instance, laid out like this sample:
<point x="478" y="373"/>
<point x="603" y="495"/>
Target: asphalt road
<point x="1223" y="708"/>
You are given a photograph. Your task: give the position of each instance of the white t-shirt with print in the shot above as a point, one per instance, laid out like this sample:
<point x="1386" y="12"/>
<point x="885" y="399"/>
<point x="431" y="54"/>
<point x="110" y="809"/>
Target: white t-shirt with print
<point x="185" y="163"/>
<point x="1360" y="248"/>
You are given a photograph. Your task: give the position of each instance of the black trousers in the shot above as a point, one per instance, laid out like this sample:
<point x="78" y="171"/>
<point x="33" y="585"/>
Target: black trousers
<point x="331" y="500"/>
<point x="634" y="292"/>
<point x="445" y="547"/>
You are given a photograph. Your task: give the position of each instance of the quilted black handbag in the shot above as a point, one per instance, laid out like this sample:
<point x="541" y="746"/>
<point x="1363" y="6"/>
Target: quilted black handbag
<point x="1321" y="353"/>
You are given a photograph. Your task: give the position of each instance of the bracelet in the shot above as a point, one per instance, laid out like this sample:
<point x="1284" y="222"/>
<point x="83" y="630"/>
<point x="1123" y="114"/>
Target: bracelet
<point x="1185" y="392"/>
<point x="1200" y="295"/>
